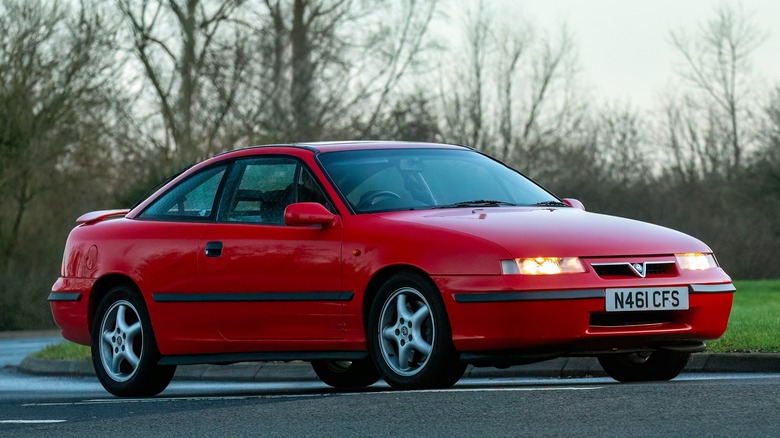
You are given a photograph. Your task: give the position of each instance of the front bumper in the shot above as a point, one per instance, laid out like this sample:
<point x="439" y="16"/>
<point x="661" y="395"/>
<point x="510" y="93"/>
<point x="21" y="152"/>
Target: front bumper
<point x="497" y="313"/>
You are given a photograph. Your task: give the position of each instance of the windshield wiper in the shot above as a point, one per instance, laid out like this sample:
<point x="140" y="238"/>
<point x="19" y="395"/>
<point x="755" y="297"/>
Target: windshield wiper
<point x="478" y="203"/>
<point x="550" y="204"/>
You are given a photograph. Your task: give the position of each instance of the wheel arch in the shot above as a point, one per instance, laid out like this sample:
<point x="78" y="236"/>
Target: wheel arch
<point x="382" y="276"/>
<point x="101" y="288"/>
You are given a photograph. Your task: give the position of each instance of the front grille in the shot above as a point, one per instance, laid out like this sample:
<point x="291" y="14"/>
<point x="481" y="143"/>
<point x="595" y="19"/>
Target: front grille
<point x="621" y="319"/>
<point x="659" y="268"/>
<point x="620" y="270"/>
<point x="613" y="270"/>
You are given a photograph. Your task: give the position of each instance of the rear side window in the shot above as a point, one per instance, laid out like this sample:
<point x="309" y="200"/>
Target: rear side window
<point x="192" y="199"/>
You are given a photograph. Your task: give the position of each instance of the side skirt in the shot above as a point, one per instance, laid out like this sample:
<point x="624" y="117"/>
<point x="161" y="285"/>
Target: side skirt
<point x="283" y="356"/>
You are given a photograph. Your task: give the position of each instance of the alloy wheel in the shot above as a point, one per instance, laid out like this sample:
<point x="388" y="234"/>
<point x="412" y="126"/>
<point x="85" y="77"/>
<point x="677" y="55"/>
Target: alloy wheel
<point x="121" y="341"/>
<point x="406" y="334"/>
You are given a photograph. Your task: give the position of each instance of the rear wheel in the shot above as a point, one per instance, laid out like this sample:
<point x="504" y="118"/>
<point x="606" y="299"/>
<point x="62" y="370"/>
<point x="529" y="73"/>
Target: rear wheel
<point x="409" y="336"/>
<point x="644" y="367"/>
<point x="346" y="374"/>
<point x="124" y="352"/>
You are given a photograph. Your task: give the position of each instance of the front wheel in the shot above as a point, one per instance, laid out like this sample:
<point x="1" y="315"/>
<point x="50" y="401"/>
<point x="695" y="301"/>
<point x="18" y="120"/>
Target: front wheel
<point x="409" y="336"/>
<point x="124" y="352"/>
<point x="644" y="367"/>
<point x="346" y="374"/>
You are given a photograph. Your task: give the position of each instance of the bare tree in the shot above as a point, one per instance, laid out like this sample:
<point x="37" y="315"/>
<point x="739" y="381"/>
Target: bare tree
<point x="553" y="105"/>
<point x="193" y="63"/>
<point x="398" y="44"/>
<point x="770" y="137"/>
<point x="516" y="96"/>
<point x="57" y="104"/>
<point x="300" y="46"/>
<point x="331" y="66"/>
<point x="464" y="96"/>
<point x="511" y="50"/>
<point x="708" y="124"/>
<point x="55" y="69"/>
<point x="411" y="118"/>
<point x="622" y="147"/>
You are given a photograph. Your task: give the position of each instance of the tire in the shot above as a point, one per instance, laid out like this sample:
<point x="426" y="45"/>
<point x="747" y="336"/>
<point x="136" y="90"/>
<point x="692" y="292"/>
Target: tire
<point x="124" y="352"/>
<point x="644" y="367"/>
<point x="346" y="374"/>
<point x="408" y="319"/>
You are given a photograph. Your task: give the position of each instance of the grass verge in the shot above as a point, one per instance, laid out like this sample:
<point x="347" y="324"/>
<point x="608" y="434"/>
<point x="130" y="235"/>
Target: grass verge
<point x="754" y="325"/>
<point x="64" y="351"/>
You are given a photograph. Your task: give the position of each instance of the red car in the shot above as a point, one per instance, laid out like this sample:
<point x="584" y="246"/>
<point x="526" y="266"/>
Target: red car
<point x="404" y="261"/>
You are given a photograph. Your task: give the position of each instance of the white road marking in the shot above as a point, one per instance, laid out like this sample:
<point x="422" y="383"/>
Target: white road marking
<point x="278" y="396"/>
<point x="31" y="421"/>
<point x="558" y="388"/>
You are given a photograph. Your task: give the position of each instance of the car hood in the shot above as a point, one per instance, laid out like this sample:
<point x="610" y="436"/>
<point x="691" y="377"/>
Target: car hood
<point x="557" y="232"/>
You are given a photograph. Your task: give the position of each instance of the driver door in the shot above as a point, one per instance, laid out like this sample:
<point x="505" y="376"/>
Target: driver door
<point x="270" y="281"/>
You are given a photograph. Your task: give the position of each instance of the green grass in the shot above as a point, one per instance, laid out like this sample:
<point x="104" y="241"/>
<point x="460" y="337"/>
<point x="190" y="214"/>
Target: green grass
<point x="754" y="325"/>
<point x="64" y="351"/>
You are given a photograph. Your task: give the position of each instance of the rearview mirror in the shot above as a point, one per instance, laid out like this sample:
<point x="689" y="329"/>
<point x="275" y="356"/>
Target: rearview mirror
<point x="574" y="203"/>
<point x="308" y="213"/>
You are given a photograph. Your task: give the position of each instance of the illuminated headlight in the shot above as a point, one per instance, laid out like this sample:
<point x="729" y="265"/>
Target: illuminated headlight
<point x="696" y="261"/>
<point x="543" y="266"/>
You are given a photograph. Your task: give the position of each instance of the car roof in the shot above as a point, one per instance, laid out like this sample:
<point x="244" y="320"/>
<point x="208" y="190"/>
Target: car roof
<point x="332" y="146"/>
<point x="328" y="146"/>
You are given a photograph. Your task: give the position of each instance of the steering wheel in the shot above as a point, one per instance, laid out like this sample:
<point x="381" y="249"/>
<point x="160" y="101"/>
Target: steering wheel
<point x="372" y="197"/>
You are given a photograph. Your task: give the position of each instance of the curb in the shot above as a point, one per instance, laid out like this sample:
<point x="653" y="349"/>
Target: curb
<point x="301" y="371"/>
<point x="27" y="334"/>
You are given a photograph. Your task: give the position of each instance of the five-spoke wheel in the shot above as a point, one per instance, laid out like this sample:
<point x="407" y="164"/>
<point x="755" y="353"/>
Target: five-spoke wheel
<point x="122" y="340"/>
<point x="409" y="335"/>
<point x="124" y="352"/>
<point x="407" y="331"/>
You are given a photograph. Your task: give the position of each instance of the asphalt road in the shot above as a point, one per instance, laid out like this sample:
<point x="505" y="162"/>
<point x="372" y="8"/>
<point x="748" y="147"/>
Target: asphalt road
<point x="692" y="405"/>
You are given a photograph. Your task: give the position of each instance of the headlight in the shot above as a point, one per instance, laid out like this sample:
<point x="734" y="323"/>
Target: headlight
<point x="543" y="266"/>
<point x="696" y="261"/>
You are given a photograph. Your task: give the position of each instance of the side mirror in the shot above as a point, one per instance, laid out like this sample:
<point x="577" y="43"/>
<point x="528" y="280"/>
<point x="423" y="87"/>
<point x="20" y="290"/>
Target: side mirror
<point x="574" y="203"/>
<point x="308" y="213"/>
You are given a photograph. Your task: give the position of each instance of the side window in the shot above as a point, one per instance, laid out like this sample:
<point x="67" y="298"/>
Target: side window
<point x="260" y="191"/>
<point x="192" y="199"/>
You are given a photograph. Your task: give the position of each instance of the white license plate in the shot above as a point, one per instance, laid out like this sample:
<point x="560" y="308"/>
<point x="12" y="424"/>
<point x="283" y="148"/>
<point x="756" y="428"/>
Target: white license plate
<point x="653" y="298"/>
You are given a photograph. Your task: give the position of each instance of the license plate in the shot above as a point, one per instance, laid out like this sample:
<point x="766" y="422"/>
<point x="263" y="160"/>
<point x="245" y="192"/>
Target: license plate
<point x="635" y="299"/>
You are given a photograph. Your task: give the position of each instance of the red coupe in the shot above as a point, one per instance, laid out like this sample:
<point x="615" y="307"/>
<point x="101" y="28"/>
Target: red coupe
<point x="401" y="261"/>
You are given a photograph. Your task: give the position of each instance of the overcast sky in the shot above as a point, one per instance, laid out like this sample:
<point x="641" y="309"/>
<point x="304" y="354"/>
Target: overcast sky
<point x="624" y="44"/>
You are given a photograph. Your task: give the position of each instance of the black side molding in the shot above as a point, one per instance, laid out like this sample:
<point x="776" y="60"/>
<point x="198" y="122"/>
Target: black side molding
<point x="250" y="297"/>
<point x="497" y="297"/>
<point x="65" y="296"/>
<point x="712" y="288"/>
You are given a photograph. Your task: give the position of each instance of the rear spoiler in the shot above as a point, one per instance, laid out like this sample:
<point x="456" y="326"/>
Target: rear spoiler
<point x="97" y="216"/>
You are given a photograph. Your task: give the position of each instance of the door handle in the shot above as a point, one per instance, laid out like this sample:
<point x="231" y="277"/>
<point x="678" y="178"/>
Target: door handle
<point x="213" y="249"/>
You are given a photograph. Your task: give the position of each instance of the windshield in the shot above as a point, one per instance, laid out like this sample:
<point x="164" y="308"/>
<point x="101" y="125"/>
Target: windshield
<point x="418" y="179"/>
